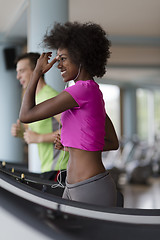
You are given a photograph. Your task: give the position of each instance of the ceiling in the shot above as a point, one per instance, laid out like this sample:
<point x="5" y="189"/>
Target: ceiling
<point x="132" y="26"/>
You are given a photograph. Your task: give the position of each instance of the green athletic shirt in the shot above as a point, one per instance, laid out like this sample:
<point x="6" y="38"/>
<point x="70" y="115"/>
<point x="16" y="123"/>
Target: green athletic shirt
<point x="51" y="158"/>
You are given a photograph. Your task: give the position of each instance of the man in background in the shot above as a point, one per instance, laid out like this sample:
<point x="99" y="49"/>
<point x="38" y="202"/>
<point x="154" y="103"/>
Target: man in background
<point x="43" y="132"/>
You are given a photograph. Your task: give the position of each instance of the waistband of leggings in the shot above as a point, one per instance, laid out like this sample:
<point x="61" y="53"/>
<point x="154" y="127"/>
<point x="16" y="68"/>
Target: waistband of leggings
<point x="92" y="179"/>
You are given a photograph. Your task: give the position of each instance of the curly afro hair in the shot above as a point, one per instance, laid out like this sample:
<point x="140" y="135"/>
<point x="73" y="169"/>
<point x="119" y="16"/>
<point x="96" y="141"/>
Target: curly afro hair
<point x="86" y="43"/>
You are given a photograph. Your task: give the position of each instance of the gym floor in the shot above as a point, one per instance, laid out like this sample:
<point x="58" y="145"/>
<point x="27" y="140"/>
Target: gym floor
<point x="142" y="196"/>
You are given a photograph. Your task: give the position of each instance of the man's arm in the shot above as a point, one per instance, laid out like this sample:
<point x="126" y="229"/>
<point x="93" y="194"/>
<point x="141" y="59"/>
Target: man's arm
<point x="18" y="129"/>
<point x="33" y="137"/>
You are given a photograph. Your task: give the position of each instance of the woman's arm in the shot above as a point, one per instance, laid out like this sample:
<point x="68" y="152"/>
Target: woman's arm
<point x="111" y="140"/>
<point x="30" y="112"/>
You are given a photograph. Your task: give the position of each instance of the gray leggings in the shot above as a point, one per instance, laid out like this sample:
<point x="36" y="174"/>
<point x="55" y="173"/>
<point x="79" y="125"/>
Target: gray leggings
<point x="99" y="190"/>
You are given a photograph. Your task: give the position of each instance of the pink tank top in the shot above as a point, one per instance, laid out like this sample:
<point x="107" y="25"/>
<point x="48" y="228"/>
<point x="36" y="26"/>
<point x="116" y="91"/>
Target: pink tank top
<point x="83" y="127"/>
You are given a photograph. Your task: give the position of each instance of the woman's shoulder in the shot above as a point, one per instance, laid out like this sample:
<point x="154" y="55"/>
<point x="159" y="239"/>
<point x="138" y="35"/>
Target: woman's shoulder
<point x="88" y="84"/>
<point x="83" y="89"/>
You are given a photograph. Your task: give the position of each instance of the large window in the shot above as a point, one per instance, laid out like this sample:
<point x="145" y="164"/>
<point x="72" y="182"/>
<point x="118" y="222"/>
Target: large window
<point x="148" y="114"/>
<point x="111" y="95"/>
<point x="142" y="114"/>
<point x="157" y="111"/>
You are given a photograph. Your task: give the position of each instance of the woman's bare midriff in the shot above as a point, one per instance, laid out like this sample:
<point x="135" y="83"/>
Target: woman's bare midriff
<point x="83" y="165"/>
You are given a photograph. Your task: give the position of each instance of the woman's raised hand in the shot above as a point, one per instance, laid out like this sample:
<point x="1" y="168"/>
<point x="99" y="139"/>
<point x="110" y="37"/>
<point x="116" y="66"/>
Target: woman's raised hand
<point x="43" y="65"/>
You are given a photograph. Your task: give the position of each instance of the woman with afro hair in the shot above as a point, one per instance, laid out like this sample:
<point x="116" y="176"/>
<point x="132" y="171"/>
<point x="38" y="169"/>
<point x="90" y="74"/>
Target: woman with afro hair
<point x="82" y="54"/>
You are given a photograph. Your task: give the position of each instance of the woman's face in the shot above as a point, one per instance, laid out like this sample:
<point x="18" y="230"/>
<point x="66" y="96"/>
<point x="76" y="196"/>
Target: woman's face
<point x="68" y="69"/>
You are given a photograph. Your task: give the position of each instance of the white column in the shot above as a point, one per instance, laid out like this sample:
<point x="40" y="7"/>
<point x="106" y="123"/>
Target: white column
<point x="42" y="14"/>
<point x="11" y="149"/>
